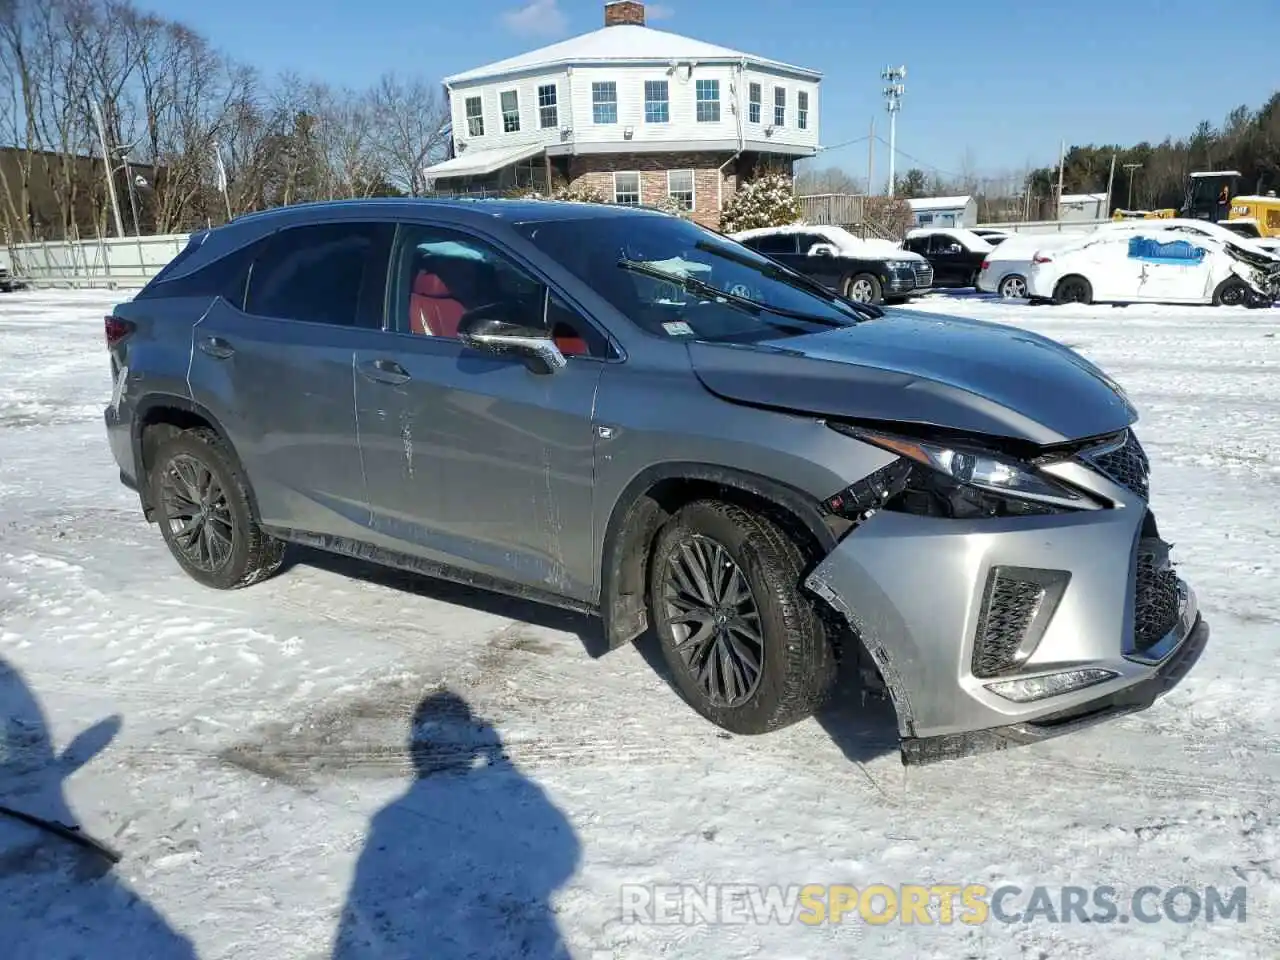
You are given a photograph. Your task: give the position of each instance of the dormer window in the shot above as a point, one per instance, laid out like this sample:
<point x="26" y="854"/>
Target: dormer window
<point x="510" y="111"/>
<point x="708" y="103"/>
<point x="604" y="102"/>
<point x="475" y="117"/>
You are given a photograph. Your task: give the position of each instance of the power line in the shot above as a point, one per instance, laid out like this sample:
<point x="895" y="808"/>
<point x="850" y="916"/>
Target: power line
<point x="846" y="143"/>
<point x="917" y="160"/>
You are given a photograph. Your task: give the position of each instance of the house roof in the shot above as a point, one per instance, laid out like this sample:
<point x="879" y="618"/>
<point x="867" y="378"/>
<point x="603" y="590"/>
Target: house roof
<point x="1069" y="198"/>
<point x="622" y="43"/>
<point x="475" y="163"/>
<point x="938" y="203"/>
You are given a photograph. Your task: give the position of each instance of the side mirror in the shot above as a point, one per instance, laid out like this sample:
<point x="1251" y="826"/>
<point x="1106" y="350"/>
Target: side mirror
<point x="481" y="330"/>
<point x="822" y="250"/>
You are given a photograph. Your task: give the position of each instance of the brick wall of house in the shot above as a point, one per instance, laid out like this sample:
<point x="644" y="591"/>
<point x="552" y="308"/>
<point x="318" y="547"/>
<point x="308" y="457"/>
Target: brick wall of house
<point x="595" y="172"/>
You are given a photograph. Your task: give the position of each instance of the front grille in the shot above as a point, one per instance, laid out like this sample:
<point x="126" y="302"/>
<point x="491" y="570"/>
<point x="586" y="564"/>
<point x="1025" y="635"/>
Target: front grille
<point x="1125" y="462"/>
<point x="923" y="274"/>
<point x="1009" y="608"/>
<point x="1155" y="595"/>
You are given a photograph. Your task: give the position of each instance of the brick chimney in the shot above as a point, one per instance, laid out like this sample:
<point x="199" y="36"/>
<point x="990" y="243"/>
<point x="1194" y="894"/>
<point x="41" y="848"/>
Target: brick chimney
<point x="618" y="13"/>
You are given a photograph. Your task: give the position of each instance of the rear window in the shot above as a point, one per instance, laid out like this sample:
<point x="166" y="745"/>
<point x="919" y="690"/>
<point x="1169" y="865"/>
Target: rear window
<point x="225" y="277"/>
<point x="193" y="244"/>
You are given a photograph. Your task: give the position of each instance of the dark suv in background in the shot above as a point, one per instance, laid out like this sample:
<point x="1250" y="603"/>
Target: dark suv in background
<point x="622" y="413"/>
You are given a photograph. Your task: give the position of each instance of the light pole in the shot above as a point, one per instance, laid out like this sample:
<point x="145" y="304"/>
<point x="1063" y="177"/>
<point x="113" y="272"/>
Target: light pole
<point x="1131" y="167"/>
<point x="893" y="76"/>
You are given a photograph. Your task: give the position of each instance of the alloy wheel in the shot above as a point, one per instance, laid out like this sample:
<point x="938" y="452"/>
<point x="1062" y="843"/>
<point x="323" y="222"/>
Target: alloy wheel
<point x="1013" y="288"/>
<point x="860" y="291"/>
<point x="715" y="621"/>
<point x="197" y="513"/>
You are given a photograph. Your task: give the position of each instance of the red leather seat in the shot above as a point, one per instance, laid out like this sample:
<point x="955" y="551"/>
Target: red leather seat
<point x="433" y="311"/>
<point x="569" y="343"/>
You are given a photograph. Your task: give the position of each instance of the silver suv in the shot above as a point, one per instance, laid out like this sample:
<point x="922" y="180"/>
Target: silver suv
<point x="622" y="413"/>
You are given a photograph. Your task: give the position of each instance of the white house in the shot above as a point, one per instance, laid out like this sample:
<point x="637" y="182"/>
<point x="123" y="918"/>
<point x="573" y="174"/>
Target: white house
<point x="634" y="113"/>
<point x="1082" y="206"/>
<point x="944" y="211"/>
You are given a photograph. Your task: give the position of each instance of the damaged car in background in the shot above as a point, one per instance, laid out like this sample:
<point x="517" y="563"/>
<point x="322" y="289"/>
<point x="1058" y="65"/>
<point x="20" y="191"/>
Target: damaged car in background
<point x="1157" y="263"/>
<point x="625" y="414"/>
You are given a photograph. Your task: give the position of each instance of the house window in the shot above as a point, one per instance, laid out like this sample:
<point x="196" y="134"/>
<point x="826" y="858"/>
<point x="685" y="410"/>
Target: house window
<point x="475" y="117"/>
<point x="510" y="112"/>
<point x="802" y="110"/>
<point x="708" y="107"/>
<point x="657" y="102"/>
<point x="548" y="114"/>
<point x="754" y="95"/>
<point x="779" y="106"/>
<point x="626" y="189"/>
<point x="680" y="187"/>
<point x="604" y="102"/>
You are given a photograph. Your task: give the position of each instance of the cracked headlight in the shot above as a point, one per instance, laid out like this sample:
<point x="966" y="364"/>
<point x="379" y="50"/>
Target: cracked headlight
<point x="981" y="469"/>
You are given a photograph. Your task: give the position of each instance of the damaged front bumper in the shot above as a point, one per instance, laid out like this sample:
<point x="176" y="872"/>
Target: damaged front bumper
<point x="992" y="633"/>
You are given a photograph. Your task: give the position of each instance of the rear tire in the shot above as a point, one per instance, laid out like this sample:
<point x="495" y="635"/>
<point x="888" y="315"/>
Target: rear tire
<point x="725" y="587"/>
<point x="1013" y="287"/>
<point x="1231" y="292"/>
<point x="205" y="513"/>
<point x="1073" y="290"/>
<point x="863" y="288"/>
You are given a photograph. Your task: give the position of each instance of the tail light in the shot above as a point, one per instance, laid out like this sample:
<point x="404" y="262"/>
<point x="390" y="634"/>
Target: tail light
<point x="117" y="329"/>
<point x="986" y="264"/>
<point x="1041" y="258"/>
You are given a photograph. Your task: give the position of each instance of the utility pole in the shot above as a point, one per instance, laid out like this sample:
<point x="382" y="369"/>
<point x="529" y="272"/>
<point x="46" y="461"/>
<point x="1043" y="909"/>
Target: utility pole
<point x="1131" y="167"/>
<point x="871" y="160"/>
<point x="1110" y="180"/>
<point x="1062" y="163"/>
<point x="893" y="76"/>
<point x="106" y="163"/>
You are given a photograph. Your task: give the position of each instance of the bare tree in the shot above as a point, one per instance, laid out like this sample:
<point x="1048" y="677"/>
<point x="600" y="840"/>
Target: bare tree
<point x="411" y="118"/>
<point x="829" y="180"/>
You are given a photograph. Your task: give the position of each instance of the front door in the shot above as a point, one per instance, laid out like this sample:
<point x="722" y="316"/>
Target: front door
<point x="472" y="459"/>
<point x="275" y="368"/>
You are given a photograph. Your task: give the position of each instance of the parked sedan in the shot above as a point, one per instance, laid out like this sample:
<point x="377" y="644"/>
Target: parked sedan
<point x="865" y="271"/>
<point x="1006" y="268"/>
<point x="1155" y="265"/>
<point x="955" y="254"/>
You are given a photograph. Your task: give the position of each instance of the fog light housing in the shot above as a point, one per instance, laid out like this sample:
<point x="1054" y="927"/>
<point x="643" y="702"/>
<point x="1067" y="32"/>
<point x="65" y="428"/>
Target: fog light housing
<point x="1027" y="689"/>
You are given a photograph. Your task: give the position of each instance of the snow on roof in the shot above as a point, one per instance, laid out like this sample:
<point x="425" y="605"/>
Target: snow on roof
<point x="1215" y="173"/>
<point x="479" y="162"/>
<point x="937" y="203"/>
<point x="1070" y="198"/>
<point x="623" y="43"/>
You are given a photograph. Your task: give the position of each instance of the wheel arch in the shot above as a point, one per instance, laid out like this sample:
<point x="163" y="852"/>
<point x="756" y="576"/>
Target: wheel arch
<point x="648" y="501"/>
<point x="177" y="413"/>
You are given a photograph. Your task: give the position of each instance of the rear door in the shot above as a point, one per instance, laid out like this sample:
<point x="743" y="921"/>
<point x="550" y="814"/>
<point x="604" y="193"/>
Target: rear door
<point x="277" y="370"/>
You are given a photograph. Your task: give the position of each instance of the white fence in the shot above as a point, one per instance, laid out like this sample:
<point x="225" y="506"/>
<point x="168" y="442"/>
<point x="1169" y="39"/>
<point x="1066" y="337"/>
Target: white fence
<point x="1045" y="226"/>
<point x="113" y="262"/>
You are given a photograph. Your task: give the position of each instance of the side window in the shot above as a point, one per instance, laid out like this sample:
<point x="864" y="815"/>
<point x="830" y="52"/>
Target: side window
<point x="777" y="243"/>
<point x="224" y="277"/>
<point x="332" y="273"/>
<point x="442" y="274"/>
<point x="807" y="240"/>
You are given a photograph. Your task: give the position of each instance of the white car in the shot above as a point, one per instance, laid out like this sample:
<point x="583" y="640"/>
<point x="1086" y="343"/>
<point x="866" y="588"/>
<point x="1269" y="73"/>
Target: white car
<point x="1157" y="264"/>
<point x="1005" y="269"/>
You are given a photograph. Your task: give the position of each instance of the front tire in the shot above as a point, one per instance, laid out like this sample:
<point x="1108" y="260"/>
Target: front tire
<point x="205" y="515"/>
<point x="1231" y="292"/>
<point x="746" y="649"/>
<point x="863" y="288"/>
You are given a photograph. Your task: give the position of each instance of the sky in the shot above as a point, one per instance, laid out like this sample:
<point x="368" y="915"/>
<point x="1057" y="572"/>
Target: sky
<point x="992" y="86"/>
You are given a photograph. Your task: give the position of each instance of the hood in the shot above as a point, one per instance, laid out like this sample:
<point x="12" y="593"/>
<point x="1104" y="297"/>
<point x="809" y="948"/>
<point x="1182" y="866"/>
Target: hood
<point x="940" y="371"/>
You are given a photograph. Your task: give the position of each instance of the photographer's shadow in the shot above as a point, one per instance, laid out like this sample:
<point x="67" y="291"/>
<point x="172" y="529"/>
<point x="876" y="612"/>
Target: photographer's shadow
<point x="465" y="862"/>
<point x="60" y="899"/>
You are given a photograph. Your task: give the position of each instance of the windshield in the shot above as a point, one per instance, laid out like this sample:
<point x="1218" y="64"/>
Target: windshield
<point x="675" y="279"/>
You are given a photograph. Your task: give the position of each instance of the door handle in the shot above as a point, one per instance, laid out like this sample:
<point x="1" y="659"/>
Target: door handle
<point x="217" y="347"/>
<point x="384" y="371"/>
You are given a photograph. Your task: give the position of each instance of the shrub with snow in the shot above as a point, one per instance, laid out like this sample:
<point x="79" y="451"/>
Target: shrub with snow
<point x="767" y="201"/>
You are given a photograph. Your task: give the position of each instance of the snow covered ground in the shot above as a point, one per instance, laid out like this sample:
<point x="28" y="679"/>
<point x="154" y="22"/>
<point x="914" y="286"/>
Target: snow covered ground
<point x="248" y="754"/>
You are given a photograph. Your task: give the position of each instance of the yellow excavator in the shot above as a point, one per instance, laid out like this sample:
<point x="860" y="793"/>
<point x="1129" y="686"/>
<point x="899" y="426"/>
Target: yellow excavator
<point x="1212" y="195"/>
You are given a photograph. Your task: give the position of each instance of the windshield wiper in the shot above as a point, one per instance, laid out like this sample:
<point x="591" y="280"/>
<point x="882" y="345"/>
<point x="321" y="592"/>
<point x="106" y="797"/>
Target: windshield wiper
<point x="693" y="285"/>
